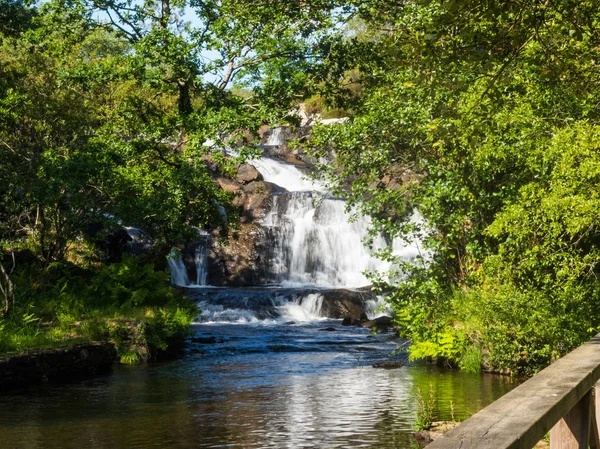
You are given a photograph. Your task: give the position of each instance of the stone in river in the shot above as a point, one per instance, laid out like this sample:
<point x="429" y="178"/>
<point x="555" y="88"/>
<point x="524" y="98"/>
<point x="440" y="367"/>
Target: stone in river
<point x="388" y="364"/>
<point x="350" y="321"/>
<point x="247" y="173"/>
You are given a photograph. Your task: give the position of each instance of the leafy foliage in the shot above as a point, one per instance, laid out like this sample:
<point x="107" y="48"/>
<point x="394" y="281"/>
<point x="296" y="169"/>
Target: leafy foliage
<point x="55" y="307"/>
<point x="482" y="116"/>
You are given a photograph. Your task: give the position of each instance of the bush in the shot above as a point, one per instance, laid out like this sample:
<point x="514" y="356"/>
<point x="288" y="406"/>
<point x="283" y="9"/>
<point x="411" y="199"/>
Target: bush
<point x="62" y="305"/>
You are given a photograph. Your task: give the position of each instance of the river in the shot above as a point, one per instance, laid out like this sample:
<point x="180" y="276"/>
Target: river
<point x="265" y="368"/>
<point x="263" y="384"/>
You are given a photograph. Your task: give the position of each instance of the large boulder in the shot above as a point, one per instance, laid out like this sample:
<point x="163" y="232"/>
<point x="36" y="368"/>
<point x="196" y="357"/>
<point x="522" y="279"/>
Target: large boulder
<point x="381" y="324"/>
<point x="247" y="173"/>
<point x="256" y="200"/>
<point x="344" y="303"/>
<point x="229" y="185"/>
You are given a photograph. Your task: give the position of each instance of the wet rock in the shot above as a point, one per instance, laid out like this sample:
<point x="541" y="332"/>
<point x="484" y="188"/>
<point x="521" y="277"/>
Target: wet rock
<point x="344" y="303"/>
<point x="389" y="364"/>
<point x="56" y="365"/>
<point x="350" y="321"/>
<point x="247" y="173"/>
<point x="228" y="185"/>
<point x="328" y="329"/>
<point x="238" y="262"/>
<point x="382" y="323"/>
<point x="116" y="245"/>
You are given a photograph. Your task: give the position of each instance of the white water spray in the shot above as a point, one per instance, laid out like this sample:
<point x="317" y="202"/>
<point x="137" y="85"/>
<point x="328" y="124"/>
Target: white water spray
<point x="315" y="242"/>
<point x="286" y="175"/>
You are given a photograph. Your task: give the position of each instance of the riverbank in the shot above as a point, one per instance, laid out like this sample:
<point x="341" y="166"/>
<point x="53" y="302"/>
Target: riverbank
<point x="57" y="365"/>
<point x="147" y="335"/>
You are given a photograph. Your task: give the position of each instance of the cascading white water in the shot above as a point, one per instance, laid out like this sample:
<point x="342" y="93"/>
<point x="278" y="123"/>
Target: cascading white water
<point x="307" y="308"/>
<point x="201" y="262"/>
<point x="302" y="308"/>
<point x="179" y="275"/>
<point x="140" y="242"/>
<point x="314" y="241"/>
<point x="276" y="138"/>
<point x="286" y="175"/>
<point x="177" y="269"/>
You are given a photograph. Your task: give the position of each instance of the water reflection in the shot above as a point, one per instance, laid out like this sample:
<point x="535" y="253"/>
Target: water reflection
<point x="240" y="394"/>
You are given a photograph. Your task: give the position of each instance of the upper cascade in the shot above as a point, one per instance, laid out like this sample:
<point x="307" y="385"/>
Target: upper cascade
<point x="295" y="235"/>
<point x="314" y="241"/>
<point x="287" y="176"/>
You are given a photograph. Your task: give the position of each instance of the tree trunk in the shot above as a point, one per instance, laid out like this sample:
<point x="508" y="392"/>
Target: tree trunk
<point x="7" y="288"/>
<point x="184" y="103"/>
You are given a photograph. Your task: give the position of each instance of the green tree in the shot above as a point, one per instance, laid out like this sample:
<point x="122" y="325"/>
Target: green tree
<point x="462" y="104"/>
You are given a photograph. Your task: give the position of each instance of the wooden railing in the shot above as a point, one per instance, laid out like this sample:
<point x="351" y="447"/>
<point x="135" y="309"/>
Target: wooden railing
<point x="560" y="399"/>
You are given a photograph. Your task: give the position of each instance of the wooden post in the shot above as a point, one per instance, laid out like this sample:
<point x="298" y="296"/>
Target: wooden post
<point x="594" y="429"/>
<point x="573" y="431"/>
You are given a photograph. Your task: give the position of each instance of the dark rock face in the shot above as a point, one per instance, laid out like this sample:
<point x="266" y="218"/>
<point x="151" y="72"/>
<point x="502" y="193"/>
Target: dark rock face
<point x="350" y="321"/>
<point x="381" y="324"/>
<point x="56" y="365"/>
<point x="140" y="243"/>
<point x="116" y="245"/>
<point x="256" y="200"/>
<point x="343" y="303"/>
<point x="238" y="262"/>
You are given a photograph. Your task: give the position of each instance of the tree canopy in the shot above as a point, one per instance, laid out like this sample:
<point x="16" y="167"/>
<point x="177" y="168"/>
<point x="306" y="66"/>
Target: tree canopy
<point x="481" y="115"/>
<point x="488" y="112"/>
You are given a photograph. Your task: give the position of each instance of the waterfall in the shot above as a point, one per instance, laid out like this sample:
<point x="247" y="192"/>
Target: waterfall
<point x="306" y="308"/>
<point x="201" y="257"/>
<point x="140" y="243"/>
<point x="276" y="138"/>
<point x="313" y="241"/>
<point x="310" y="239"/>
<point x="283" y="308"/>
<point x="286" y="175"/>
<point x="179" y="274"/>
<point x="177" y="269"/>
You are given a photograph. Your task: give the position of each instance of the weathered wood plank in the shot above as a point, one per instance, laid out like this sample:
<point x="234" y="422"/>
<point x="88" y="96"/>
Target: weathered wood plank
<point x="573" y="430"/>
<point x="519" y="419"/>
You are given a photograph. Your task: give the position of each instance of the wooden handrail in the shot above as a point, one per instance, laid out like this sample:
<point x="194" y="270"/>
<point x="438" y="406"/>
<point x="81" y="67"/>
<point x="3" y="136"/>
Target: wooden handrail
<point x="561" y="398"/>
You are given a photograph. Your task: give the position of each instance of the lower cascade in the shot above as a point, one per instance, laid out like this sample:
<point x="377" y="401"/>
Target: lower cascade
<point x="315" y="242"/>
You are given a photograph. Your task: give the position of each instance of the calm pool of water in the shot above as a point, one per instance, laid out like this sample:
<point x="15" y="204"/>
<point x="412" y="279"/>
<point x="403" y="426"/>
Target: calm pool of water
<point x="259" y="386"/>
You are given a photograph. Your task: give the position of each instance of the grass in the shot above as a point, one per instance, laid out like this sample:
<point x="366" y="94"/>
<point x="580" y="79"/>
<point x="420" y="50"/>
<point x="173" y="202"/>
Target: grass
<point x="156" y="327"/>
<point x="425" y="408"/>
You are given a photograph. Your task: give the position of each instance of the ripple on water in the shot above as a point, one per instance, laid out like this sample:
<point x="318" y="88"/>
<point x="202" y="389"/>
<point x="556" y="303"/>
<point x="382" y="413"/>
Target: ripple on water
<point x="239" y="392"/>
